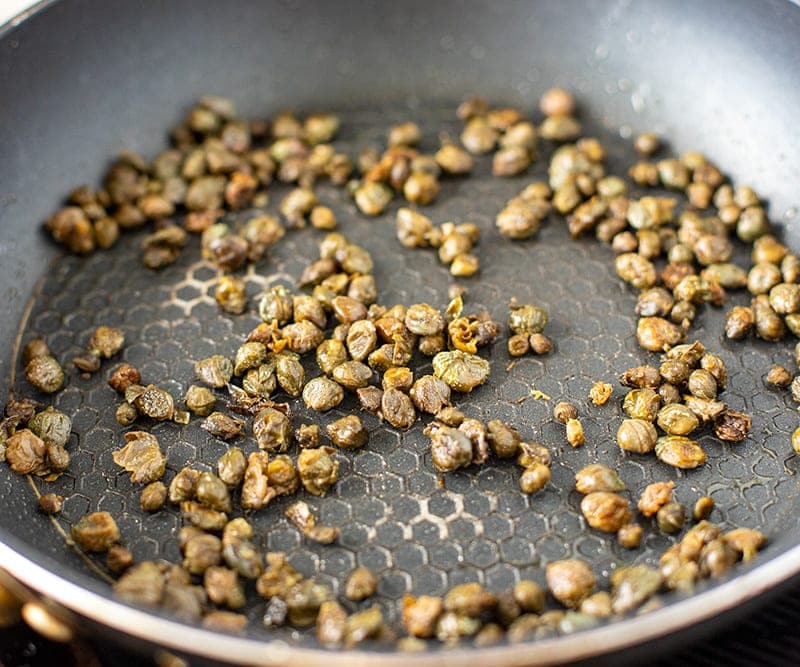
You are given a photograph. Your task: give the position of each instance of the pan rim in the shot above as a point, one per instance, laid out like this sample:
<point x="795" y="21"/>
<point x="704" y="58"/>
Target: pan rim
<point x="23" y="16"/>
<point x="20" y="562"/>
<point x="591" y="643"/>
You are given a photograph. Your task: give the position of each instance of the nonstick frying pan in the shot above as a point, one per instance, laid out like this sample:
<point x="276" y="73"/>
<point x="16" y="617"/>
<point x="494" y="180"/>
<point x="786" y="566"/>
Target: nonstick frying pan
<point x="81" y="79"/>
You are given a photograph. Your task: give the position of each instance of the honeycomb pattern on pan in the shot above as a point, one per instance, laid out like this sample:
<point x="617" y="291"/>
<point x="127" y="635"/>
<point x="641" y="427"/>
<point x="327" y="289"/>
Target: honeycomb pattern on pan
<point x="419" y="531"/>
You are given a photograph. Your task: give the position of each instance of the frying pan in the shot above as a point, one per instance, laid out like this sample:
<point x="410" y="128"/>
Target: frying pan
<point x="81" y="79"/>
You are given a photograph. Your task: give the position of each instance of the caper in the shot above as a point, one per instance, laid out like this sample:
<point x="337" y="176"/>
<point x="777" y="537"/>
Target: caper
<point x="637" y="435"/>
<point x="570" y="581"/>
<point x="656" y="334"/>
<point x="95" y="532"/>
<point x="739" y="322"/>
<point x="703" y="508"/>
<point x="680" y="452"/>
<point x="460" y="370"/>
<point x="215" y="371"/>
<point x="642" y="404"/>
<point x="605" y="511"/>
<point x="52" y="426"/>
<point x="575" y="433"/>
<point x="45" y="373"/>
<point x="141" y="456"/>
<point x="534" y="478"/>
<point x="526" y="319"/>
<point x="629" y="536"/>
<point x="106" y="341"/>
<point x="778" y="376"/>
<point x="348" y="432"/>
<point x="222" y="426"/>
<point x="322" y="394"/>
<point x="450" y="448"/>
<point x="397" y="408"/>
<point x="564" y="411"/>
<point x="50" y="503"/>
<point x="671" y="517"/>
<point x="272" y="430"/>
<point x="153" y="496"/>
<point x="231" y="466"/>
<point x="598" y="477"/>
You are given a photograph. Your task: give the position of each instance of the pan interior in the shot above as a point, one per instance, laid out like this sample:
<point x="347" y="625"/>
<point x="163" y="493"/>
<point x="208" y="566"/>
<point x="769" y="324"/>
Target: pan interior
<point x="419" y="531"/>
<point x="718" y="76"/>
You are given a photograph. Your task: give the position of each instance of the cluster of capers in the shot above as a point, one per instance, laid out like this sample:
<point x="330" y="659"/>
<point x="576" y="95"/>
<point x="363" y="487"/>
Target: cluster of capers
<point x="527" y="323"/>
<point x="217" y="162"/>
<point x="453" y="242"/>
<point x="458" y="441"/>
<point x="679" y="397"/>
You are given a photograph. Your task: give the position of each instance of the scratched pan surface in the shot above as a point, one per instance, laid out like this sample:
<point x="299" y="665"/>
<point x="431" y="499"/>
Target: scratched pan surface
<point x="635" y="66"/>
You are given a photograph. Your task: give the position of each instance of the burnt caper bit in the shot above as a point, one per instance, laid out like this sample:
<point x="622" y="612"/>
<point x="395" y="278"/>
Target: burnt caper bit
<point x="732" y="426"/>
<point x="123" y="377"/>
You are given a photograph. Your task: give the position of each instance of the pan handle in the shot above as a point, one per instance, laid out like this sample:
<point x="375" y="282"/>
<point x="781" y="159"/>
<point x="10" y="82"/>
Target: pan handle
<point x="17" y="602"/>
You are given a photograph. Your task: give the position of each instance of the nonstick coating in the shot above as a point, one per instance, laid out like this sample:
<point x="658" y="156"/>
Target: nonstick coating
<point x="80" y="80"/>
